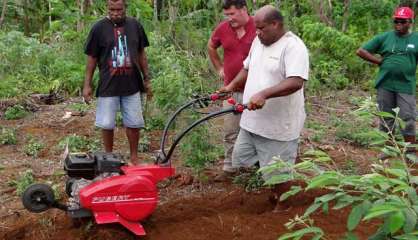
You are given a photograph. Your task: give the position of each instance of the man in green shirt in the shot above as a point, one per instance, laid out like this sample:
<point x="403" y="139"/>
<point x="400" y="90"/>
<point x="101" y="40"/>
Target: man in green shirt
<point x="395" y="82"/>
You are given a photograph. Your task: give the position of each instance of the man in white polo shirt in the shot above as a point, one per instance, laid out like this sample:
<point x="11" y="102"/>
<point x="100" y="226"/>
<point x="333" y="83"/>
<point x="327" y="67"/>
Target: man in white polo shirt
<point x="273" y="74"/>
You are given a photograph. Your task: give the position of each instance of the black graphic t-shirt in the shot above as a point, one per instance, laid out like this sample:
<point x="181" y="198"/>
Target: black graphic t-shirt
<point x="116" y="48"/>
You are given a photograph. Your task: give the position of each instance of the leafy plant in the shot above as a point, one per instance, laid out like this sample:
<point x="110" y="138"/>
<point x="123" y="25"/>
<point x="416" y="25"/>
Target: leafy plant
<point x="155" y="123"/>
<point x="15" y="112"/>
<point x="197" y="151"/>
<point x="357" y="132"/>
<point x="24" y="181"/>
<point x="8" y="136"/>
<point x="31" y="66"/>
<point x="307" y="229"/>
<point x="356" y="127"/>
<point x="76" y="143"/>
<point x="33" y="147"/>
<point x="251" y="180"/>
<point x="144" y="143"/>
<point x="94" y="144"/>
<point x="387" y="193"/>
<point x="56" y="188"/>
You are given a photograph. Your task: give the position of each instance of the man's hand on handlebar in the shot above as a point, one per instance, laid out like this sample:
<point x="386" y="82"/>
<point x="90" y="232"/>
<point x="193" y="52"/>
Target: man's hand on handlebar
<point x="257" y="101"/>
<point x="225" y="92"/>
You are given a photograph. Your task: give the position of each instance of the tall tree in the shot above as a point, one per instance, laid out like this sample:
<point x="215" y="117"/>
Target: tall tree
<point x="158" y="5"/>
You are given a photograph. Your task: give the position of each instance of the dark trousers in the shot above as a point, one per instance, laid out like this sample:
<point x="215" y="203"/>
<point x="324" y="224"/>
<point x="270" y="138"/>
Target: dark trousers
<point x="388" y="100"/>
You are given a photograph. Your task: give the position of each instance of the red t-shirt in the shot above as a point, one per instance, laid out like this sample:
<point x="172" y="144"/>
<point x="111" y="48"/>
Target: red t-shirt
<point x="235" y="50"/>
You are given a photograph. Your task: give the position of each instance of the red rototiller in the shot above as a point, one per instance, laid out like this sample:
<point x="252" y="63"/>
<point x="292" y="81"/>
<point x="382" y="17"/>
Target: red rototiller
<point x="102" y="186"/>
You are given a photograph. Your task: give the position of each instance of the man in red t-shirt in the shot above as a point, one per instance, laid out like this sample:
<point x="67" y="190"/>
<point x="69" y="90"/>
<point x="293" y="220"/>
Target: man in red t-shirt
<point x="234" y="35"/>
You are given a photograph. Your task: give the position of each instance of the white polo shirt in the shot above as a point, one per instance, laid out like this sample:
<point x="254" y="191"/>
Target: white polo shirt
<point x="281" y="118"/>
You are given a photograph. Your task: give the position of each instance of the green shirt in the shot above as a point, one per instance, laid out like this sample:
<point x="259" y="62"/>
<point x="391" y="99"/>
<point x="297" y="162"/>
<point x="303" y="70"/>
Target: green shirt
<point x="400" y="53"/>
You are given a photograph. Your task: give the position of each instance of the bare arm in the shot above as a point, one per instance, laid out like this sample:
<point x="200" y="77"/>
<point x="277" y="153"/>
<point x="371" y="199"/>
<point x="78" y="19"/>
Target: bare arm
<point x="237" y="83"/>
<point x="215" y="59"/>
<point x="143" y="64"/>
<point x="284" y="88"/>
<point x="364" y="54"/>
<point x="88" y="79"/>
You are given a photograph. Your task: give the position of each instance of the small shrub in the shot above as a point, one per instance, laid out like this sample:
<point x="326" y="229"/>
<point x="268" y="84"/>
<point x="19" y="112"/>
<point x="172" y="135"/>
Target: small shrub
<point x="357" y="132"/>
<point x="33" y="147"/>
<point x="330" y="74"/>
<point x="8" y="136"/>
<point x="79" y="143"/>
<point x="15" y="112"/>
<point x="144" y="143"/>
<point x="94" y="144"/>
<point x="251" y="181"/>
<point x="197" y="150"/>
<point x="358" y="128"/>
<point x="155" y="123"/>
<point x="56" y="188"/>
<point x="24" y="181"/>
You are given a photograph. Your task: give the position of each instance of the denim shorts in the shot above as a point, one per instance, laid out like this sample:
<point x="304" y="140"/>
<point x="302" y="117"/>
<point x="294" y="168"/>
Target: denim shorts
<point x="130" y="107"/>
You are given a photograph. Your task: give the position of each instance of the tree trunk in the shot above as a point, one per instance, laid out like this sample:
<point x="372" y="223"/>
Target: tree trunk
<point x="172" y="17"/>
<point x="155" y="4"/>
<point x="346" y="15"/>
<point x="158" y="5"/>
<point x="26" y="20"/>
<point x="80" y="20"/>
<point x="3" y="12"/>
<point x="49" y="13"/>
<point x="323" y="11"/>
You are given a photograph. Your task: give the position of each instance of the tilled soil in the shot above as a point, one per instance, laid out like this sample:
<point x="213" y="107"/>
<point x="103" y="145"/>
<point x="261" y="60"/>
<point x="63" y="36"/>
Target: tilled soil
<point x="221" y="212"/>
<point x="187" y="210"/>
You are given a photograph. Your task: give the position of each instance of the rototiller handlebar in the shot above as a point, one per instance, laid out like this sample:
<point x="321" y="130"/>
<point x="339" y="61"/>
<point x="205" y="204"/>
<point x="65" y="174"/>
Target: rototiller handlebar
<point x="162" y="156"/>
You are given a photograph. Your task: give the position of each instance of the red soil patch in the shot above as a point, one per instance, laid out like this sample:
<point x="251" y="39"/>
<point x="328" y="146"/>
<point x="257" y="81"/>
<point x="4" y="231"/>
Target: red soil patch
<point x="230" y="213"/>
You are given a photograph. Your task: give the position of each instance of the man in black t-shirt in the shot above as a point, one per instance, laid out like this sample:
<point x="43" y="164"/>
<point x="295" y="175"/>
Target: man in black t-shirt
<point x="116" y="44"/>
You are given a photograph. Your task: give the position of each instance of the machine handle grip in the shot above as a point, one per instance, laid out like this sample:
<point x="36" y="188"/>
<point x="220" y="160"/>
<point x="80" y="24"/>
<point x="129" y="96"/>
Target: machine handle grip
<point x="216" y="96"/>
<point x="239" y="108"/>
